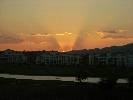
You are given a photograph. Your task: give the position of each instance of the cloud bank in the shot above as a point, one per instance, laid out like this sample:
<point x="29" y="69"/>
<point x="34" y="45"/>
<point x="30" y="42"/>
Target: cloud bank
<point x="11" y="38"/>
<point x="115" y="34"/>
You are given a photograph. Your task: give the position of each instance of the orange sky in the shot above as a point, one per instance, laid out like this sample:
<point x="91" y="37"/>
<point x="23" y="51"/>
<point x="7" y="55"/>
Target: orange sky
<point x="65" y="24"/>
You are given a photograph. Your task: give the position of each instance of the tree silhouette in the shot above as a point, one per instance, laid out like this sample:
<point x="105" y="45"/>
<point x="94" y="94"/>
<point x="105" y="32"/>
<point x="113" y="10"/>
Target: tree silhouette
<point x="109" y="81"/>
<point x="82" y="76"/>
<point x="130" y="81"/>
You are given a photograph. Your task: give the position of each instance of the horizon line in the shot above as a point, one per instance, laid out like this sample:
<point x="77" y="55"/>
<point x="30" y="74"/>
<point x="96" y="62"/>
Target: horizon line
<point x="67" y="50"/>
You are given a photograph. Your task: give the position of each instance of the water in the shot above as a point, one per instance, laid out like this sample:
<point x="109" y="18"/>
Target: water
<point x="60" y="78"/>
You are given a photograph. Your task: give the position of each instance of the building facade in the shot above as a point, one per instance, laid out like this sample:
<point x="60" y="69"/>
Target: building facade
<point x="57" y="58"/>
<point x="108" y="59"/>
<point x="54" y="58"/>
<point x="10" y="56"/>
<point x="129" y="60"/>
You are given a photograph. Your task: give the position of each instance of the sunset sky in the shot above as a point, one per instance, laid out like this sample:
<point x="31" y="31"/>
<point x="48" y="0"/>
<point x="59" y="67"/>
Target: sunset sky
<point x="65" y="24"/>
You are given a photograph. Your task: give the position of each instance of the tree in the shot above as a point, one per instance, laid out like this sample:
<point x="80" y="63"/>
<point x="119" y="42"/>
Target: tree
<point x="81" y="76"/>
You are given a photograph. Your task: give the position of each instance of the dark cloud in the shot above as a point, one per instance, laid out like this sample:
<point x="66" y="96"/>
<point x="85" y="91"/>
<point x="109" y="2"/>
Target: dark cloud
<point x="110" y="31"/>
<point x="10" y="38"/>
<point x="116" y="34"/>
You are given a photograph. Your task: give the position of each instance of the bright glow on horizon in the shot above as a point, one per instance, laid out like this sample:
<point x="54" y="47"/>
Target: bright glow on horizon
<point x="60" y="34"/>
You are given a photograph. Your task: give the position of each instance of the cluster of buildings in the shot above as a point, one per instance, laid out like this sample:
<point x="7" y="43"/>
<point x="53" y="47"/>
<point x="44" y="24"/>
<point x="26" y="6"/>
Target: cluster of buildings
<point x="38" y="57"/>
<point x="109" y="59"/>
<point x="57" y="58"/>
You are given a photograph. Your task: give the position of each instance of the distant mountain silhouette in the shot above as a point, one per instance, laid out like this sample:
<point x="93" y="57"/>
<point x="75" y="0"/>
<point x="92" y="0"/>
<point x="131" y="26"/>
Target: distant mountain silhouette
<point x="125" y="49"/>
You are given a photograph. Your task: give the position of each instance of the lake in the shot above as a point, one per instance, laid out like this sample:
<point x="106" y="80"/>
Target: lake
<point x="60" y="78"/>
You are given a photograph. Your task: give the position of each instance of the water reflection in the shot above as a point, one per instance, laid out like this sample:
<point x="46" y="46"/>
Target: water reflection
<point x="90" y="80"/>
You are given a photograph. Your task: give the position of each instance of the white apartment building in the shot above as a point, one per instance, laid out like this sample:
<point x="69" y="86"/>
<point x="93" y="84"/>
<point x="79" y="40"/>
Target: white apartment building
<point x="57" y="59"/>
<point x="107" y="59"/>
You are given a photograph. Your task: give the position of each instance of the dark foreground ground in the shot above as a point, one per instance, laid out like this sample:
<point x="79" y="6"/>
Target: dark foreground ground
<point x="12" y="89"/>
